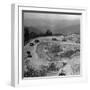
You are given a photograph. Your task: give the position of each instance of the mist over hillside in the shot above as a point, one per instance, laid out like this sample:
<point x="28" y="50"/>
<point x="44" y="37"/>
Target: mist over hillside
<point x="70" y="29"/>
<point x="56" y="23"/>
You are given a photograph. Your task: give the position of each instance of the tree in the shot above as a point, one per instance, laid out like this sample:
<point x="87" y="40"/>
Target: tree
<point x="48" y="32"/>
<point x="26" y="35"/>
<point x="33" y="34"/>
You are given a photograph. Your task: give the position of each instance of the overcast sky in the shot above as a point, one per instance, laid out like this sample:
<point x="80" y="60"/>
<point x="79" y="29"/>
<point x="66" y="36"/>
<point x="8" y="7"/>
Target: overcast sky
<point x="50" y="21"/>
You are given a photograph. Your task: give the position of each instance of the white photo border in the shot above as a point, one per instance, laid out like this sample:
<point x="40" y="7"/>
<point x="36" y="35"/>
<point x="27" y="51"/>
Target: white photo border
<point x="16" y="71"/>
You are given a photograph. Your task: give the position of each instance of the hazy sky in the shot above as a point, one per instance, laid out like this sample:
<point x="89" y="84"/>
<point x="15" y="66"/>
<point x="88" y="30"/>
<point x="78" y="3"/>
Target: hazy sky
<point x="50" y="21"/>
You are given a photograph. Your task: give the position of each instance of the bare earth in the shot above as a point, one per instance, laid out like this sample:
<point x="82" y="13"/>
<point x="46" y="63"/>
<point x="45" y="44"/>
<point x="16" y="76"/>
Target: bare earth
<point x="51" y="56"/>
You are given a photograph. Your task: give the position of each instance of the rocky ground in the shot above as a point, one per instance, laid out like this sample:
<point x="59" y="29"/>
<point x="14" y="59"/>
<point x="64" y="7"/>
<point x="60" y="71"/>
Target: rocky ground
<point x="52" y="56"/>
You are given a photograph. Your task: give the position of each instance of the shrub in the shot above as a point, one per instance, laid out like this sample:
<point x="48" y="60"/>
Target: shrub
<point x="67" y="54"/>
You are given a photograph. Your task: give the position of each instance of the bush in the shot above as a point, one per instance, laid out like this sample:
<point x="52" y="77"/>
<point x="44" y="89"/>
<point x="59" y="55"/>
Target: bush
<point x="55" y="49"/>
<point x="34" y="73"/>
<point x="67" y="54"/>
<point x="52" y="67"/>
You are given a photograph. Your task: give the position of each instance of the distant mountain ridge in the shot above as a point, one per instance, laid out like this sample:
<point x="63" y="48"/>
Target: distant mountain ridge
<point x="66" y="30"/>
<point x="72" y="29"/>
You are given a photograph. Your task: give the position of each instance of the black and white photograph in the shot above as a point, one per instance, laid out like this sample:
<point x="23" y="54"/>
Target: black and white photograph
<point x="51" y="44"/>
